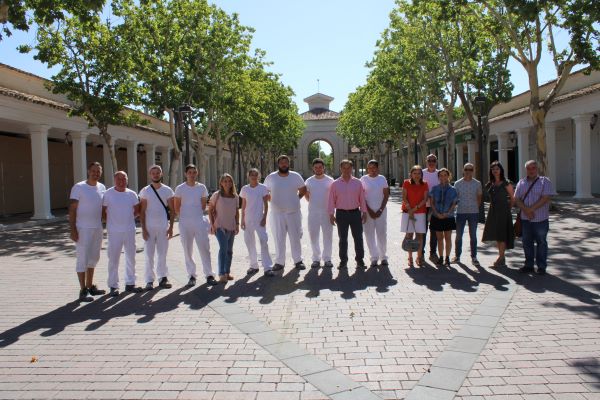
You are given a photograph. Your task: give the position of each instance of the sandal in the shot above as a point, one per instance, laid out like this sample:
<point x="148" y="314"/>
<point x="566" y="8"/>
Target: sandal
<point x="500" y="262"/>
<point x="420" y="261"/>
<point x="410" y="262"/>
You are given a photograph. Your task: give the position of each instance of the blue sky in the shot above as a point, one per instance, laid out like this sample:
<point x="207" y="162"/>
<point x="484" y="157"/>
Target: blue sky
<point x="329" y="40"/>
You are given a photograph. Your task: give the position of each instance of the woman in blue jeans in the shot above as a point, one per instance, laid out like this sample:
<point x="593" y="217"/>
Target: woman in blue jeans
<point x="224" y="223"/>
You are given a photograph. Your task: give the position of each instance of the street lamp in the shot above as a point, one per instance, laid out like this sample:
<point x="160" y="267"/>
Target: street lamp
<point x="238" y="139"/>
<point x="482" y="110"/>
<point x="185" y="111"/>
<point x="389" y="143"/>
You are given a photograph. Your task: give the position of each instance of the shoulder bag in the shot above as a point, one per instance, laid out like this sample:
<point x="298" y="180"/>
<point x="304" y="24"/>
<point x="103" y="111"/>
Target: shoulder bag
<point x="162" y="202"/>
<point x="410" y="244"/>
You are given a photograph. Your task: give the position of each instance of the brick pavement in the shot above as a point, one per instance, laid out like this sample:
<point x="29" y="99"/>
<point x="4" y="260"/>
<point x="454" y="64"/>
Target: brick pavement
<point x="386" y="330"/>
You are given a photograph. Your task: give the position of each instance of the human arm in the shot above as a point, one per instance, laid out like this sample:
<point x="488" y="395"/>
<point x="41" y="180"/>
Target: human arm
<point x="237" y="218"/>
<point x="171" y="205"/>
<point x="263" y="221"/>
<point x="73" y="219"/>
<point x="302" y="191"/>
<point x="177" y="205"/>
<point x="511" y="194"/>
<point x="386" y="196"/>
<point x="331" y="204"/>
<point x="363" y="204"/>
<point x="143" y="208"/>
<point x="243" y="223"/>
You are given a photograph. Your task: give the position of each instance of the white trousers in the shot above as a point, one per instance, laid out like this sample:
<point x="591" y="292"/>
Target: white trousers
<point x="88" y="248"/>
<point x="158" y="242"/>
<point x="252" y="230"/>
<point x="118" y="241"/>
<point x="376" y="236"/>
<point x="282" y="225"/>
<point x="318" y="222"/>
<point x="197" y="232"/>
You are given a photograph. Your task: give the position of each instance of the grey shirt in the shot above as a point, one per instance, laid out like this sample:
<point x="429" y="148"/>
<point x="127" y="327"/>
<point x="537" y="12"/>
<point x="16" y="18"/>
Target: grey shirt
<point x="467" y="196"/>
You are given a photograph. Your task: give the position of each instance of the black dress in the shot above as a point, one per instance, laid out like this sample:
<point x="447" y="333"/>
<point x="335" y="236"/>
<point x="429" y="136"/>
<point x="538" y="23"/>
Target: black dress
<point x="498" y="224"/>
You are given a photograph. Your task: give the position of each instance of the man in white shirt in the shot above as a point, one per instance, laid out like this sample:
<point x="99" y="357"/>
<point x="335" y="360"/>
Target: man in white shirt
<point x="286" y="188"/>
<point x="377" y="193"/>
<point x="317" y="195"/>
<point x="85" y="222"/>
<point x="120" y="205"/>
<point x="430" y="175"/>
<point x="157" y="214"/>
<point x="255" y="205"/>
<point x="190" y="203"/>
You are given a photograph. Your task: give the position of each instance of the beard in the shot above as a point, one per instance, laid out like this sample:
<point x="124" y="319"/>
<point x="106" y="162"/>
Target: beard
<point x="156" y="180"/>
<point x="284" y="170"/>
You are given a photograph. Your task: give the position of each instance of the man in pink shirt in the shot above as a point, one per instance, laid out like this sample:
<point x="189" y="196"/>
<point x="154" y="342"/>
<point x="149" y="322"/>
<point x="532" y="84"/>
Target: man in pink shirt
<point x="348" y="208"/>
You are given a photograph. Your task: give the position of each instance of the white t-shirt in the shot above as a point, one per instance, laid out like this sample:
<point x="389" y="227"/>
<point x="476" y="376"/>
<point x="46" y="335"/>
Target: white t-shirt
<point x="156" y="215"/>
<point x="319" y="193"/>
<point x="119" y="210"/>
<point x="374" y="190"/>
<point x="191" y="202"/>
<point x="432" y="180"/>
<point x="89" y="206"/>
<point x="284" y="191"/>
<point x="254" y="201"/>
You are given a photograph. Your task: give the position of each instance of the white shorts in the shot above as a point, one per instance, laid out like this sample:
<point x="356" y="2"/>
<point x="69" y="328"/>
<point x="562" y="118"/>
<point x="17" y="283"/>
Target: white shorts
<point x="418" y="225"/>
<point x="88" y="248"/>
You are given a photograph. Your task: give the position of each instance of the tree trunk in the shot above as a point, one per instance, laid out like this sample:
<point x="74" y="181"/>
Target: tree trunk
<point x="111" y="150"/>
<point x="219" y="151"/>
<point x="450" y="140"/>
<point x="539" y="122"/>
<point x="423" y="141"/>
<point x="176" y="157"/>
<point x="200" y="154"/>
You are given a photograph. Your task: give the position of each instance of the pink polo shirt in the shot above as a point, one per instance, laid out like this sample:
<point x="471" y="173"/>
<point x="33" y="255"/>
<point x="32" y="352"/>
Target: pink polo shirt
<point x="346" y="195"/>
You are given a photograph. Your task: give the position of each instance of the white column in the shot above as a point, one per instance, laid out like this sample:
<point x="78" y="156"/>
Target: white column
<point x="150" y="155"/>
<point x="79" y="156"/>
<point x="107" y="170"/>
<point x="583" y="177"/>
<point x="503" y="150"/>
<point x="165" y="158"/>
<point x="460" y="148"/>
<point x="551" y="166"/>
<point x="132" y="168"/>
<point x="41" y="172"/>
<point x="523" y="143"/>
<point x="472" y="148"/>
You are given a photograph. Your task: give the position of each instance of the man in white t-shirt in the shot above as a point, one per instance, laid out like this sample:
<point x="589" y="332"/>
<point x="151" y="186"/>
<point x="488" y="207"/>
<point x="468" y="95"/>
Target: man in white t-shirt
<point x="317" y="195"/>
<point x="377" y="193"/>
<point x="286" y="188"/>
<point x="85" y="222"/>
<point x="430" y="175"/>
<point x="190" y="203"/>
<point x="157" y="214"/>
<point x="121" y="205"/>
<point x="255" y="205"/>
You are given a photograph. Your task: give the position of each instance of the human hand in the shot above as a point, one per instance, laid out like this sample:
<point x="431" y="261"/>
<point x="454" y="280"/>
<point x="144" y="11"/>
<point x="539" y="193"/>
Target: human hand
<point x="74" y="235"/>
<point x="145" y="234"/>
<point x="332" y="219"/>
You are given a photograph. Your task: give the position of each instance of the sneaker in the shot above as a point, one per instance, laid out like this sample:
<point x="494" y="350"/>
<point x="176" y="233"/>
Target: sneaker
<point x="384" y="263"/>
<point x="374" y="264"/>
<point x="83" y="296"/>
<point x="114" y="292"/>
<point x="456" y="260"/>
<point x="94" y="291"/>
<point x="300" y="265"/>
<point x="133" y="289"/>
<point x="540" y="272"/>
<point x="475" y="261"/>
<point x="343" y="265"/>
<point x="328" y="264"/>
<point x="269" y="273"/>
<point x="192" y="281"/>
<point x="252" y="271"/>
<point x="210" y="280"/>
<point x="526" y="270"/>
<point x="360" y="264"/>
<point x="149" y="286"/>
<point x="164" y="283"/>
<point x="277" y="267"/>
<point x="315" y="264"/>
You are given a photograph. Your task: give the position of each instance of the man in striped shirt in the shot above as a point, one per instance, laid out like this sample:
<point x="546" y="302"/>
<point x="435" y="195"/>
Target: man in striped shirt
<point x="535" y="212"/>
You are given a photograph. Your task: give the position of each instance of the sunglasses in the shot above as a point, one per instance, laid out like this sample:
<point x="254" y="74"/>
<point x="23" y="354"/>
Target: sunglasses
<point x="468" y="170"/>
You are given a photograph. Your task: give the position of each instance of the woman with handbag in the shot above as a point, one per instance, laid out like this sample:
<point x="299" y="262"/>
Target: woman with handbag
<point x="498" y="224"/>
<point x="414" y="197"/>
<point x="443" y="201"/>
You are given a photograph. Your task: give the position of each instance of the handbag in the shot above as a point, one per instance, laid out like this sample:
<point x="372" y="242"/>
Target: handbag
<point x="518" y="227"/>
<point x="163" y="203"/>
<point x="410" y="244"/>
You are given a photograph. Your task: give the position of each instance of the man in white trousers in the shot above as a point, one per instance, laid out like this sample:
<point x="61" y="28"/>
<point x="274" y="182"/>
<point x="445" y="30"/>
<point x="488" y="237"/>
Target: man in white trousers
<point x="120" y="205"/>
<point x="377" y="193"/>
<point x="286" y="188"/>
<point x="255" y="205"/>
<point x="85" y="222"/>
<point x="190" y="203"/>
<point x="157" y="214"/>
<point x="317" y="195"/>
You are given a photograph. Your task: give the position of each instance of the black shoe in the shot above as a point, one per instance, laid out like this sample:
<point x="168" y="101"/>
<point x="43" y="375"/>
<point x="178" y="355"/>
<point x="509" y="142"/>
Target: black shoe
<point x="526" y="270"/>
<point x="315" y="264"/>
<point x="277" y="267"/>
<point x="300" y="265"/>
<point x="149" y="286"/>
<point x="343" y="265"/>
<point x="209" y="281"/>
<point x="192" y="281"/>
<point x="374" y="264"/>
<point x="447" y="262"/>
<point x="133" y="289"/>
<point x="83" y="296"/>
<point x="328" y="264"/>
<point x="434" y="259"/>
<point x="114" y="292"/>
<point x="541" y="272"/>
<point x="269" y="273"/>
<point x="164" y="283"/>
<point x="384" y="263"/>
<point x="360" y="264"/>
<point x="252" y="271"/>
<point x="475" y="261"/>
<point x="94" y="291"/>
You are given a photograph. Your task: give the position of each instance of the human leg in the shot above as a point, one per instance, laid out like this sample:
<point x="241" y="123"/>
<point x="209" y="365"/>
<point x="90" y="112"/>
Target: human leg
<point x="149" y="250"/>
<point x="381" y="233"/>
<point x="186" y="233"/>
<point x="129" y="245"/>
<point x="115" y="244"/>
<point x="528" y="239"/>
<point x="369" y="230"/>
<point x="327" y="230"/>
<point x="343" y="224"/>
<point x="250" y="241"/>
<point x="461" y="220"/>
<point x="356" y="227"/>
<point x="314" y="233"/>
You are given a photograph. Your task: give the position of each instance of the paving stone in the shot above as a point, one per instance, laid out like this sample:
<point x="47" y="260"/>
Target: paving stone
<point x="444" y="378"/>
<point x="430" y="393"/>
<point x="360" y="393"/>
<point x="456" y="360"/>
<point x="331" y="381"/>
<point x="306" y="364"/>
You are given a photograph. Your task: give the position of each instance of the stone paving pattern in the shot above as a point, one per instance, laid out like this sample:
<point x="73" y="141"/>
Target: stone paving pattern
<point x="388" y="330"/>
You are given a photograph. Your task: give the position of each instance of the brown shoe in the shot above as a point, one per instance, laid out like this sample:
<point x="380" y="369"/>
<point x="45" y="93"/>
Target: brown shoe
<point x="229" y="277"/>
<point x="223" y="279"/>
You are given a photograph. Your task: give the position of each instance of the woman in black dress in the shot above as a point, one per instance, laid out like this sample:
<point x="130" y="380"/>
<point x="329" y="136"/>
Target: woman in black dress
<point x="498" y="224"/>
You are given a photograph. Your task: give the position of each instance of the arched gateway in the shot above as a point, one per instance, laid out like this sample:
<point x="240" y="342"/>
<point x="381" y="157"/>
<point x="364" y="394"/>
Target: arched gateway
<point x="321" y="124"/>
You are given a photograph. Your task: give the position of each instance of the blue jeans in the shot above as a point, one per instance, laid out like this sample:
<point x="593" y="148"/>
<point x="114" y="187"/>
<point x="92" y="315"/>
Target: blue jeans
<point x="535" y="233"/>
<point x="225" y="239"/>
<point x="461" y="221"/>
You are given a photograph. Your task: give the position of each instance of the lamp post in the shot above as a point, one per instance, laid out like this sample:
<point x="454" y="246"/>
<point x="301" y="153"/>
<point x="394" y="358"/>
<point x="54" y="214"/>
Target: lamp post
<point x="238" y="138"/>
<point x="184" y="112"/>
<point x="389" y="143"/>
<point x="481" y="103"/>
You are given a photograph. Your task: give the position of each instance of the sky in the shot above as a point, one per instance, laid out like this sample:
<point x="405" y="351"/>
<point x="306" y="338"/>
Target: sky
<point x="309" y="40"/>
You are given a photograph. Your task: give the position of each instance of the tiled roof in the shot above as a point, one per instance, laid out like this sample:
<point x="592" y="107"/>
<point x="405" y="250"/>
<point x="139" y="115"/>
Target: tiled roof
<point x="319" y="114"/>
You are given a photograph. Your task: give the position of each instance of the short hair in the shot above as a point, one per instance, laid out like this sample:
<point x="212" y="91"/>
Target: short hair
<point x="155" y="166"/>
<point x="252" y="171"/>
<point x="346" y="161"/>
<point x="373" y="162"/>
<point x="445" y="170"/>
<point x="120" y="173"/>
<point x="190" y="166"/>
<point x="530" y="162"/>
<point x="431" y="156"/>
<point x="469" y="165"/>
<point x="318" y="161"/>
<point x="94" y="164"/>
<point x="283" y="157"/>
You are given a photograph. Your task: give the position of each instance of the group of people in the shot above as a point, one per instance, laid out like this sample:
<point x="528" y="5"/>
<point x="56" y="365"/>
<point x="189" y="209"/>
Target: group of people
<point x="429" y="201"/>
